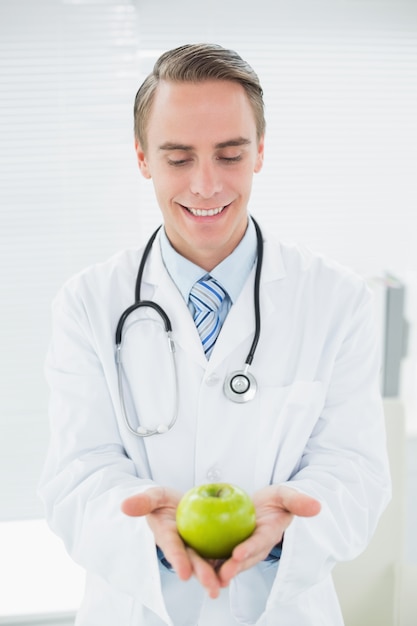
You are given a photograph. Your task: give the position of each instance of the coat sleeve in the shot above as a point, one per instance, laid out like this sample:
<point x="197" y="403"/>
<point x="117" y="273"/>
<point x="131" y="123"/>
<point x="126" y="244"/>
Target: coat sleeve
<point x="87" y="473"/>
<point x="344" y="465"/>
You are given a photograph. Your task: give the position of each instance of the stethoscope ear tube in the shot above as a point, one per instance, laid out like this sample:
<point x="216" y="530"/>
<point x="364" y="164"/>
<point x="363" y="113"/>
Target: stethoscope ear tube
<point x="137" y="305"/>
<point x="143" y="262"/>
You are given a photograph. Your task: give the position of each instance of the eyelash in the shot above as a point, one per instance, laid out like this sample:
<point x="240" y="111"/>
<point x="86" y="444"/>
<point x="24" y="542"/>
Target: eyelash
<point x="178" y="163"/>
<point x="232" y="159"/>
<point x="183" y="162"/>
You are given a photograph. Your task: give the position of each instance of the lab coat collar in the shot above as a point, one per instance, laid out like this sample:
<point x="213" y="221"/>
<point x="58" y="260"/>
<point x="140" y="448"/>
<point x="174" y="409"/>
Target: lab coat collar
<point x="240" y="322"/>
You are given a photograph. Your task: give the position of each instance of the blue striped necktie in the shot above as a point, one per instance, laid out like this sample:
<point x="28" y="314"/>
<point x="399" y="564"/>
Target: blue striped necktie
<point x="207" y="295"/>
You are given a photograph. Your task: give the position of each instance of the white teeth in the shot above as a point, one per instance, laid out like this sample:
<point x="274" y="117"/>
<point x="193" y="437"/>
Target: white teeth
<point x="204" y="212"/>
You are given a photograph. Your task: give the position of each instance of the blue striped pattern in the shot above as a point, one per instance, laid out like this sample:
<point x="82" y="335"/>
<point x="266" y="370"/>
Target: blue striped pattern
<point x="207" y="296"/>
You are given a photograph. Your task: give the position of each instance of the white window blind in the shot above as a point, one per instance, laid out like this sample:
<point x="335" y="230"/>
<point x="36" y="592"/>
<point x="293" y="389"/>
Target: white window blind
<point x="69" y="194"/>
<point x="340" y="81"/>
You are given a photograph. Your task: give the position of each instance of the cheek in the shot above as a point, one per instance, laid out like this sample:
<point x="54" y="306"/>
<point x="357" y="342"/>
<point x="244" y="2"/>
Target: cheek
<point x="242" y="181"/>
<point x="167" y="186"/>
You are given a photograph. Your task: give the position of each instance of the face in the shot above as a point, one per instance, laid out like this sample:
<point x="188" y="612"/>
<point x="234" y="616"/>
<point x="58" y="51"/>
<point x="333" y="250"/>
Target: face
<point x="201" y="154"/>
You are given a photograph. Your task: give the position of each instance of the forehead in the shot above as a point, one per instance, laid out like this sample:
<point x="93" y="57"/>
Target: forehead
<point x="212" y="109"/>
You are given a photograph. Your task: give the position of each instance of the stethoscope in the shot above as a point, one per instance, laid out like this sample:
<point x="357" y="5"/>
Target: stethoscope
<point x="239" y="386"/>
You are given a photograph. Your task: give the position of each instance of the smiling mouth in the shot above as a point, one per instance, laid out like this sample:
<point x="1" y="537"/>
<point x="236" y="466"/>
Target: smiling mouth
<point x="205" y="212"/>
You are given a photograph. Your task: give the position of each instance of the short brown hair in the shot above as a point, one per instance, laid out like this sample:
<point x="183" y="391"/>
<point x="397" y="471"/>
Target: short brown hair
<point x="196" y="63"/>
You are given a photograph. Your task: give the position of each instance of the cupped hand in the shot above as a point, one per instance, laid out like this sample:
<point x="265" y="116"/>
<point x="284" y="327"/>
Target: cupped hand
<point x="159" y="505"/>
<point x="276" y="506"/>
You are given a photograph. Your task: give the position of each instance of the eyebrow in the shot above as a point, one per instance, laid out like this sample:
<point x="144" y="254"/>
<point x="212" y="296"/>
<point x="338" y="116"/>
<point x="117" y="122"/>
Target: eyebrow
<point x="230" y="143"/>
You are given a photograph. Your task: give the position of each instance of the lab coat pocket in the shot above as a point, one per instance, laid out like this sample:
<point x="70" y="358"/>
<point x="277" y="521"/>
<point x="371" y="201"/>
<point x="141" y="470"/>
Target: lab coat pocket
<point x="288" y="416"/>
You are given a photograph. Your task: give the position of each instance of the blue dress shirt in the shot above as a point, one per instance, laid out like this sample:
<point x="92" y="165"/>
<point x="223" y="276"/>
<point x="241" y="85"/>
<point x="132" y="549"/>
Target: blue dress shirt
<point x="231" y="273"/>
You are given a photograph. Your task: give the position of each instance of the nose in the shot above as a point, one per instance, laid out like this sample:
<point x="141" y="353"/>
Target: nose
<point x="205" y="180"/>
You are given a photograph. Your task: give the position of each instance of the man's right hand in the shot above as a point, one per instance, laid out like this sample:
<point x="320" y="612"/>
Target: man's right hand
<point x="159" y="506"/>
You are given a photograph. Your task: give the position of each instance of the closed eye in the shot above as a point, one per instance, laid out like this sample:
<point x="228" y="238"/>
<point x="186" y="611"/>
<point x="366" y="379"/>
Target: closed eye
<point x="178" y="162"/>
<point x="234" y="159"/>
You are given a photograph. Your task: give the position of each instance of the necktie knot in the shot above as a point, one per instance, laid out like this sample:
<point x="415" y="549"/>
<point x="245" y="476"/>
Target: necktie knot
<point x="207" y="295"/>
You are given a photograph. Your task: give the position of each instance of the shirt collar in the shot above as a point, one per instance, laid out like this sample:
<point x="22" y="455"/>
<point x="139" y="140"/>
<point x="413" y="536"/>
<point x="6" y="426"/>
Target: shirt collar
<point x="231" y="273"/>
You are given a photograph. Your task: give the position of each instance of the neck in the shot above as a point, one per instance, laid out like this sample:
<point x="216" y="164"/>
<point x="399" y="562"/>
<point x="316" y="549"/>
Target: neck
<point x="211" y="251"/>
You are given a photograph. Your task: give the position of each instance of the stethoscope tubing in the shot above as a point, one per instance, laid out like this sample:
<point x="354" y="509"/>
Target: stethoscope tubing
<point x="256" y="292"/>
<point x="239" y="386"/>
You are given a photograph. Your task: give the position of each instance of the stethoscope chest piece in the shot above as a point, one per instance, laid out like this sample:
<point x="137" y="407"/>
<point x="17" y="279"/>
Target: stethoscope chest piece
<point x="240" y="386"/>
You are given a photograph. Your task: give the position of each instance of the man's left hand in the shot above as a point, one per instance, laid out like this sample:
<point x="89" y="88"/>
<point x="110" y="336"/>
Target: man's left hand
<point x="276" y="506"/>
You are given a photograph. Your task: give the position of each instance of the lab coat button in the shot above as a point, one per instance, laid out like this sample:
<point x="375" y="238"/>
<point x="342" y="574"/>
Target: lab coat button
<point x="212" y="380"/>
<point x="214" y="475"/>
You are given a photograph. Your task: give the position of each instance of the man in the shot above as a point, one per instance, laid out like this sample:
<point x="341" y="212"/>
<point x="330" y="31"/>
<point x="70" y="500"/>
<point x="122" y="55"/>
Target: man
<point x="309" y="447"/>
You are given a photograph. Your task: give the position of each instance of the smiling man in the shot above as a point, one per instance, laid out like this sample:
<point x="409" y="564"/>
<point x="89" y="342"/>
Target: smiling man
<point x="201" y="150"/>
<point x="138" y="421"/>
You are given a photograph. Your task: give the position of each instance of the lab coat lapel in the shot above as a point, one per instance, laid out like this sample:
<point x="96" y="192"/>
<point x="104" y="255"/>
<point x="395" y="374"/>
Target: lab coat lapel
<point x="238" y="325"/>
<point x="159" y="287"/>
<point x="240" y="322"/>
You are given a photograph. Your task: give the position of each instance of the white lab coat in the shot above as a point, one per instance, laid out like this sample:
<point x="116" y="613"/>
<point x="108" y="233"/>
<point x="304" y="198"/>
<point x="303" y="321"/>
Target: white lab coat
<point x="316" y="423"/>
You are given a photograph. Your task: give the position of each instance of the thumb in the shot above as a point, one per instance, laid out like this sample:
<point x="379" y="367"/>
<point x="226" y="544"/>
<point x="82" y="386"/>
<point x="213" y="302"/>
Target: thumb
<point x="298" y="503"/>
<point x="150" y="500"/>
<point x="143" y="503"/>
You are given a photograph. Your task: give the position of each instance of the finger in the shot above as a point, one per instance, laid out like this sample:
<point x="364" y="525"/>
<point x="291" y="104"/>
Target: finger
<point x="177" y="556"/>
<point x="246" y="555"/>
<point x="258" y="546"/>
<point x="205" y="574"/>
<point x="229" y="570"/>
<point x="166" y="537"/>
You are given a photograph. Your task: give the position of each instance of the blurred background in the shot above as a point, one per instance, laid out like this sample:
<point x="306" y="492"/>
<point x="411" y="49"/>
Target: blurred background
<point x="340" y="177"/>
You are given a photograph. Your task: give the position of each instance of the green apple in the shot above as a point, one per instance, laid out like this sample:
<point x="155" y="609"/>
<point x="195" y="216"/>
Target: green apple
<point x="213" y="519"/>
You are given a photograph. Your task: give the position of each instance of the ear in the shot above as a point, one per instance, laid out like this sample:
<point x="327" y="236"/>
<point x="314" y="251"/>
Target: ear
<point x="260" y="156"/>
<point x="142" y="161"/>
